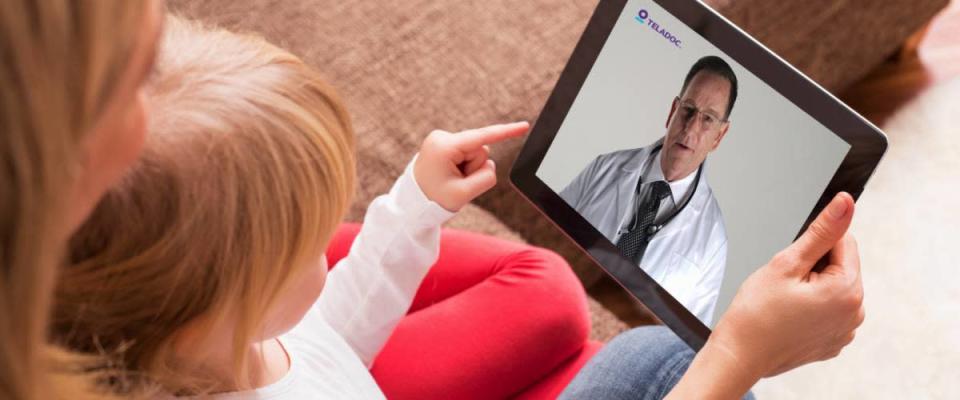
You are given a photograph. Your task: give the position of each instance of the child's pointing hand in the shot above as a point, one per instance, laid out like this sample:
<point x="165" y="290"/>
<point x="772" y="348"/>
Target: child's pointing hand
<point x="453" y="168"/>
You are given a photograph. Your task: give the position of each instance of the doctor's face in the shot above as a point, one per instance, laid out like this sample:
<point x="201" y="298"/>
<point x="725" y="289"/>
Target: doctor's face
<point x="696" y="124"/>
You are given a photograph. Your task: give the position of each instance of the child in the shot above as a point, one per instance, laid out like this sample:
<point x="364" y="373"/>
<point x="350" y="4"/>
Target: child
<point x="203" y="271"/>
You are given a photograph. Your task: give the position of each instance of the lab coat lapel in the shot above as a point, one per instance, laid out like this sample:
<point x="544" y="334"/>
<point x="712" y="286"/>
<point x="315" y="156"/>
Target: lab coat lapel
<point x="626" y="187"/>
<point x="632" y="168"/>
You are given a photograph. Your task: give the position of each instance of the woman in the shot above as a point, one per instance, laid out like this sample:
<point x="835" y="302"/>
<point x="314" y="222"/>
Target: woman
<point x="73" y="121"/>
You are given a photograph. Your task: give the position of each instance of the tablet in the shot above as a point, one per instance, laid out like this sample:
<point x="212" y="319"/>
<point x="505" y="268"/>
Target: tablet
<point x="681" y="155"/>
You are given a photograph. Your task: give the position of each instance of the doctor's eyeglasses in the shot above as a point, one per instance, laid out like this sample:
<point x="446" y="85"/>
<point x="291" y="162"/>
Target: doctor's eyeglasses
<point x="707" y="119"/>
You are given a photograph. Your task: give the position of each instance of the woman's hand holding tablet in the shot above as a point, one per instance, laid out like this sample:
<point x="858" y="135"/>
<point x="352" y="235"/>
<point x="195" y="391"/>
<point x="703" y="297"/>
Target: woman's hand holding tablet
<point x="786" y="314"/>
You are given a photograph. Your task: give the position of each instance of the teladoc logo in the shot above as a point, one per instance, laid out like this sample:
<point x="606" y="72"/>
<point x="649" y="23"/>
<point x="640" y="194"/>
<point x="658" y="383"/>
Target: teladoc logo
<point x="644" y="18"/>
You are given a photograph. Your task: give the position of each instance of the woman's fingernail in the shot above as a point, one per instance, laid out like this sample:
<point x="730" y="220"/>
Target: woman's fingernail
<point x="838" y="207"/>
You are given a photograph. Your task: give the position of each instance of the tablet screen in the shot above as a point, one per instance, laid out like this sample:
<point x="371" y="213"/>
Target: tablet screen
<point x="692" y="166"/>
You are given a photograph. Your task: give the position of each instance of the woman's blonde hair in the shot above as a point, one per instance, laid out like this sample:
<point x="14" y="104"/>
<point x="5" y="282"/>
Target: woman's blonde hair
<point x="60" y="61"/>
<point x="247" y="170"/>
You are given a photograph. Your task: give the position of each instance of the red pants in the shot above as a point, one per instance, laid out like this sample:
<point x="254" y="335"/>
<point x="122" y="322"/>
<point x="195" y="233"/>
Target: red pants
<point x="492" y="319"/>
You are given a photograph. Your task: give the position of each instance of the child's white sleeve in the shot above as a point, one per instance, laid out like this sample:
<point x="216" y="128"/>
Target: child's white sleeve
<point x="371" y="289"/>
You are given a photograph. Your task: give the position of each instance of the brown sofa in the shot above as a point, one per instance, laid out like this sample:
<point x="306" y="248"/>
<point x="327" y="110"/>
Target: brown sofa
<point x="407" y="67"/>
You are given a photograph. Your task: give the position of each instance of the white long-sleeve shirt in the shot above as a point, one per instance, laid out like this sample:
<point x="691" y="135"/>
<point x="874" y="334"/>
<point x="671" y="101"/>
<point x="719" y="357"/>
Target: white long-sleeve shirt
<point x="365" y="296"/>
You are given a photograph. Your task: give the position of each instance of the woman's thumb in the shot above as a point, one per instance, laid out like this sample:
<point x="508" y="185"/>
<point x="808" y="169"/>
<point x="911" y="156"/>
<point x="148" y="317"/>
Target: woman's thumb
<point x="823" y="233"/>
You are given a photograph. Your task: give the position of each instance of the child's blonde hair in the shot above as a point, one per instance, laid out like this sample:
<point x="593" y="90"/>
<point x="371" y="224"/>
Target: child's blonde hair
<point x="248" y="169"/>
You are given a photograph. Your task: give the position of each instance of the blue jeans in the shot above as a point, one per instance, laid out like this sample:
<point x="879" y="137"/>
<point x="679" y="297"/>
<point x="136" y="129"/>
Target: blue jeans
<point x="642" y="363"/>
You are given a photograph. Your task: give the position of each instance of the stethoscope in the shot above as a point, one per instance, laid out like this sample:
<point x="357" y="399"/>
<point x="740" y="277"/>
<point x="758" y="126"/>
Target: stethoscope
<point x="653" y="229"/>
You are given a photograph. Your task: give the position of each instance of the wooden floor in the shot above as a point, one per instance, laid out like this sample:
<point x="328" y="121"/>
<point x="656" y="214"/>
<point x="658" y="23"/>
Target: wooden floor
<point x="931" y="57"/>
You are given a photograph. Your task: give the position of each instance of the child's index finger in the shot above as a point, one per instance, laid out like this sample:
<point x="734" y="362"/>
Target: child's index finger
<point x="473" y="138"/>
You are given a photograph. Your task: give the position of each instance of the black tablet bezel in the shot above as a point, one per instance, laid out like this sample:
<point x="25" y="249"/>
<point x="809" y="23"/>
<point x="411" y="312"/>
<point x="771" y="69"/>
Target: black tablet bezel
<point x="867" y="143"/>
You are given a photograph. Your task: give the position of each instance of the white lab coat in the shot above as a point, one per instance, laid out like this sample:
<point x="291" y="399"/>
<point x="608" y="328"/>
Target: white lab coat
<point x="687" y="257"/>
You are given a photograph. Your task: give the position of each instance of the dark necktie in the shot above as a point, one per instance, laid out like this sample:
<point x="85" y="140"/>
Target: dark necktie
<point x="633" y="243"/>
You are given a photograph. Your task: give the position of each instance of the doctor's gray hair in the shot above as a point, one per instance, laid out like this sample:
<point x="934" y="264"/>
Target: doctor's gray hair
<point x="715" y="65"/>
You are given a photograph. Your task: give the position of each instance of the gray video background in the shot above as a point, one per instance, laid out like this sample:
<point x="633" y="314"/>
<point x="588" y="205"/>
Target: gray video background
<point x="768" y="172"/>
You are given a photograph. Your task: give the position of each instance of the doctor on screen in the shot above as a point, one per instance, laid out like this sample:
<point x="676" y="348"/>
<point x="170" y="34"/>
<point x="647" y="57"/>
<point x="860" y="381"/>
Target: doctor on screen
<point x="654" y="202"/>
